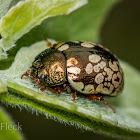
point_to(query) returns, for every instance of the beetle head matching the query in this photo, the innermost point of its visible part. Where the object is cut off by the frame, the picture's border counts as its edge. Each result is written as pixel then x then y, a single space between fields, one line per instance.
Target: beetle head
pixel 38 72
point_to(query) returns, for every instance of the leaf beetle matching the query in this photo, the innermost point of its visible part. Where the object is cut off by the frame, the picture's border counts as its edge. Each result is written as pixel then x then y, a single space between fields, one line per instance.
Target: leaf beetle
pixel 78 66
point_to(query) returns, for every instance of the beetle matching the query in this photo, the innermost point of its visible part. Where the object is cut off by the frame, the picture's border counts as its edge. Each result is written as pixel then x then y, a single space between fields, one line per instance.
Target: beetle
pixel 78 66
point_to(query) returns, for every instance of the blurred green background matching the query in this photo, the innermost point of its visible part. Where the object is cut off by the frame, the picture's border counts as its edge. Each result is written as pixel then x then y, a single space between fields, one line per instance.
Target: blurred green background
pixel 121 34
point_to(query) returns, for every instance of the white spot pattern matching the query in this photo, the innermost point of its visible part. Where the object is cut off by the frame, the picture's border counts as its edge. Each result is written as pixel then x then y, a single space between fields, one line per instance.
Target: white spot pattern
pixel 109 73
pixel 63 47
pixel 96 68
pixel 115 76
pixel 77 85
pixel 94 58
pixel 74 70
pixel 75 41
pixel 87 44
pixel 113 65
pixel 72 61
pixel 101 89
pixel 89 89
pixel 89 68
pixel 99 78
pixel 102 64
pixel 99 66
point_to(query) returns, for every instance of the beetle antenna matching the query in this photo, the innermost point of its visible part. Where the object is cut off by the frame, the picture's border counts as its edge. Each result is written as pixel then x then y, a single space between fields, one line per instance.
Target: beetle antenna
pixel 108 105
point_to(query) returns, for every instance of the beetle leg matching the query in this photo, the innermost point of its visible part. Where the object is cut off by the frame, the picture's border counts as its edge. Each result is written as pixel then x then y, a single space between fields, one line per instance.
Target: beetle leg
pixel 68 88
pixel 43 88
pixel 49 43
pixel 108 105
pixel 71 91
pixel 37 82
pixel 59 89
pixel 99 98
pixel 52 90
pixel 49 88
pixel 27 73
pixel 33 78
pixel 62 87
pixel 74 96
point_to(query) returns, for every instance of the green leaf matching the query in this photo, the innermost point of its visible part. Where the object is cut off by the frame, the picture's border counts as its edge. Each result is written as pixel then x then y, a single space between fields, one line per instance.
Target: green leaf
pixel 83 112
pixel 21 18
pixel 5 5
pixel 3 87
pixel 3 55
pixel 5 133
pixel 83 24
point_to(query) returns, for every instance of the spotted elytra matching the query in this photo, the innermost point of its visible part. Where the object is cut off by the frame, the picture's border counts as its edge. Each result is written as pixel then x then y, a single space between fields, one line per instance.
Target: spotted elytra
pixel 78 66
